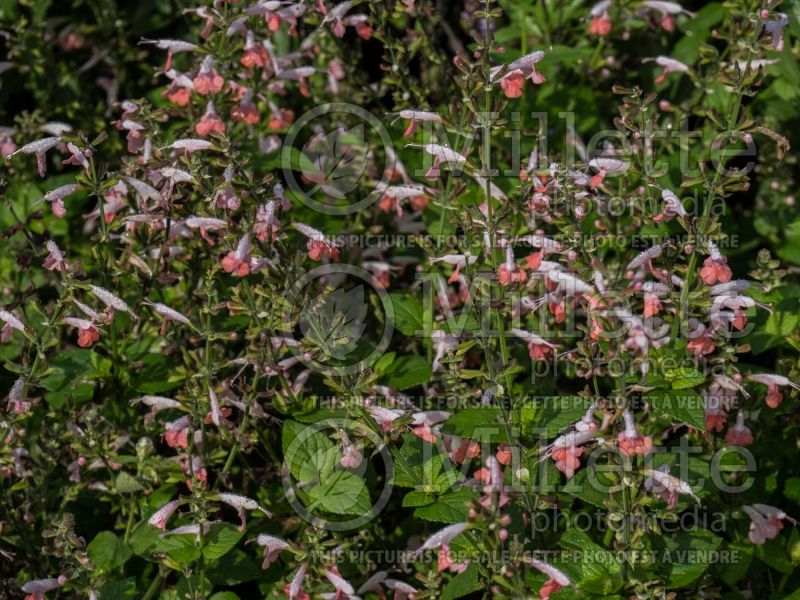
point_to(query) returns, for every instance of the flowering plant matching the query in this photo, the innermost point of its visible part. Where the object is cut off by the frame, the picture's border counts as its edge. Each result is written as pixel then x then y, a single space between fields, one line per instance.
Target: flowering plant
pixel 382 298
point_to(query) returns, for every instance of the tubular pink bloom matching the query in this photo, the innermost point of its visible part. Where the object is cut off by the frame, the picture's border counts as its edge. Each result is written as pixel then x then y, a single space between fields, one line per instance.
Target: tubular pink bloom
pixel 715 267
pixel 351 457
pixel 630 441
pixel 208 81
pixel 255 54
pixel 237 262
pixel 55 260
pixel 702 342
pixel 510 272
pixel 672 207
pixel 343 587
pixel 294 590
pixel 209 123
pixel 161 516
pixel 111 300
pixel 88 333
pixel 246 110
pixel 660 482
pixel 715 413
pixel 17 402
pixel 176 433
pixel 445 561
pixel 566 450
pixel 38 148
pixel 773 382
pixel 739 434
pixel 36 589
pixel 10 323
pixel 415 117
pixel 766 522
pixel 441 155
pixel 273 546
pixel 56 198
pixel 557 579
pixel 600 25
pixel 517 72
pixel 442 537
pixel 319 247
pixel 168 313
pixel 670 66
pixel 172 47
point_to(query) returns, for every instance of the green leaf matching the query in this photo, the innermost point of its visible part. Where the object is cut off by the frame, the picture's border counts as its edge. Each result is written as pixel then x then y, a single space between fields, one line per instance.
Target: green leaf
pixel 414 499
pixel 107 551
pixel 791 489
pixel 119 590
pixel 477 424
pixel 684 378
pixel 463 584
pixel 343 493
pixel 408 371
pixel 220 540
pixel 307 452
pixel 686 556
pixel 407 313
pixel 127 484
pixel 685 406
pixel 449 508
pixel 237 568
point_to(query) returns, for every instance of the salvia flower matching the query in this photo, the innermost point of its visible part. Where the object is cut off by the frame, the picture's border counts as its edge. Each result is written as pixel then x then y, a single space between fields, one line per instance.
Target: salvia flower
pixel 208 81
pixel 162 515
pixel 512 81
pixel 715 267
pixel 88 333
pixel 670 66
pixel 557 579
pixel 672 207
pixel 294 590
pixel 17 401
pixel 739 434
pixel 38 148
pixel 766 522
pixel 55 260
pixel 273 546
pixel 567 449
pixel 601 23
pixel 172 47
pixel 241 504
pixel 773 383
pixel 255 55
pixel 441 155
pixel 210 122
pixel 11 323
pixel 37 588
pixel 630 441
pixel 110 300
pixel 319 247
pixel 415 117
pixel 56 198
pixel 510 272
pixel 169 314
pixel 668 487
pixel 443 536
pixel 237 262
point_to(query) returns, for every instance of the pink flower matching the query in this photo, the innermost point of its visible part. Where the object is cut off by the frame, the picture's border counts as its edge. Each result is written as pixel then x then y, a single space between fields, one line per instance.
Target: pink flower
pixel 207 80
pixel 670 66
pixel 445 561
pixel 273 546
pixel 161 516
pixel 600 25
pixel 766 522
pixel 739 434
pixel 88 333
pixel 556 581
pixel 773 382
pixel 246 111
pixel 510 272
pixel 237 262
pixel 255 54
pixel 660 482
pixel 630 441
pixel 715 267
pixel 209 123
pixel 55 260
pixel 566 450
pixel 517 72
